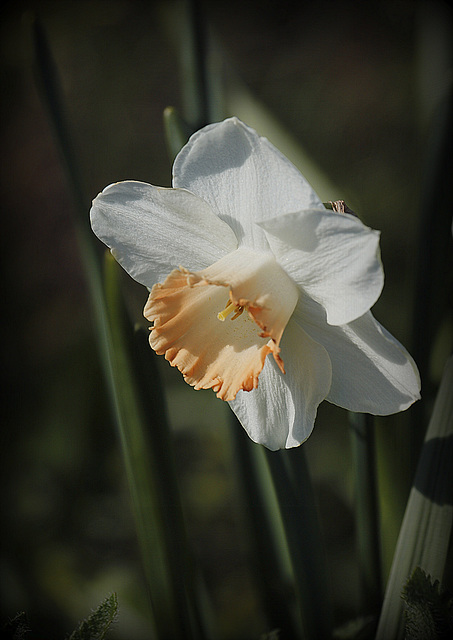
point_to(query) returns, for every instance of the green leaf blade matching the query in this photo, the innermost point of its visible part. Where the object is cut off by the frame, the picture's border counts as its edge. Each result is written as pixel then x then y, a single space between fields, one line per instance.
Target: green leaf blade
pixel 425 533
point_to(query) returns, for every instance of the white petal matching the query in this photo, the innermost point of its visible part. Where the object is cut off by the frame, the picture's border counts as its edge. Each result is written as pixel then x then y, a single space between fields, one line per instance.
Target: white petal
pixel 371 371
pixel 243 177
pixel 281 412
pixel 152 230
pixel 333 257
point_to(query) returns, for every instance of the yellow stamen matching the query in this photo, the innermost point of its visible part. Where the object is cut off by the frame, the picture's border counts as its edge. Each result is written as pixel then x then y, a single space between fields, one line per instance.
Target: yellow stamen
pixel 230 308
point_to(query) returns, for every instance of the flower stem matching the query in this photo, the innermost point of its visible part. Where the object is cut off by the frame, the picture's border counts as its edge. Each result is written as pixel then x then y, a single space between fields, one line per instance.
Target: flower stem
pixel 298 510
pixel 268 548
pixel 367 518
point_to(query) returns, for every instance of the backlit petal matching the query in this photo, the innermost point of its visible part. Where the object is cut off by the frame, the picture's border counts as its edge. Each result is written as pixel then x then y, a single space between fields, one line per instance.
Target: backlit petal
pixel 225 356
pixel 333 257
pixel 243 177
pixel 371 371
pixel 280 413
pixel 152 230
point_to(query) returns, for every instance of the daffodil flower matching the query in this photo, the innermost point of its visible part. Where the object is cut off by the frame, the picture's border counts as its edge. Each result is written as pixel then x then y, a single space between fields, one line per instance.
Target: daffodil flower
pixel 257 291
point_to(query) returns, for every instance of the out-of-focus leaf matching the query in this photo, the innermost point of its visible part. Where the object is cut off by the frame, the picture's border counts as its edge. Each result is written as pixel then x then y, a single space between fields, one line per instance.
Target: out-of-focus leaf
pixel 95 627
pixel 177 131
pixel 194 54
pixel 358 629
pixel 159 533
pixel 425 533
pixel 239 101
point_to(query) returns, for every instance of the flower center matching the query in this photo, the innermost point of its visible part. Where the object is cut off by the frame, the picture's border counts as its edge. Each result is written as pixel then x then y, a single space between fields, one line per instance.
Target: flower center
pixel 185 316
pixel 230 308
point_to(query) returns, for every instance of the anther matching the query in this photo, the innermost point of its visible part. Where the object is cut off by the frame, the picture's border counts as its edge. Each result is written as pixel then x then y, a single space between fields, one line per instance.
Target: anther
pixel 230 308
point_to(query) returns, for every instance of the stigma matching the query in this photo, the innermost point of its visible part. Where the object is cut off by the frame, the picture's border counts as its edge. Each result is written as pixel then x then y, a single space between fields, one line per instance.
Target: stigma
pixel 232 307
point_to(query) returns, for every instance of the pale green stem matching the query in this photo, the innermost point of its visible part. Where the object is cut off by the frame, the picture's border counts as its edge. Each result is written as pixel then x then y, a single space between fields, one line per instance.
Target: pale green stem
pixel 272 577
pixel 367 513
pixel 296 501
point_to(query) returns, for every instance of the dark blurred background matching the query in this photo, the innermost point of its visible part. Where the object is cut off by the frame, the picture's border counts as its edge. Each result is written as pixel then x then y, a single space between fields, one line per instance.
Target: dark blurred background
pixel 352 89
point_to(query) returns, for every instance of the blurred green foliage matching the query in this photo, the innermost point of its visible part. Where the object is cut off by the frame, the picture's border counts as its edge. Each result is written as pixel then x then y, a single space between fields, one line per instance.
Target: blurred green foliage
pixel 357 85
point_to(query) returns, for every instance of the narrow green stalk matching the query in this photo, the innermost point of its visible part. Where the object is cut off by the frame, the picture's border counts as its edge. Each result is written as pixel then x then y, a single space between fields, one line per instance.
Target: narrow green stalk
pixel 367 518
pixel 299 514
pixel 272 577
pixel 177 131
pixel 195 63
